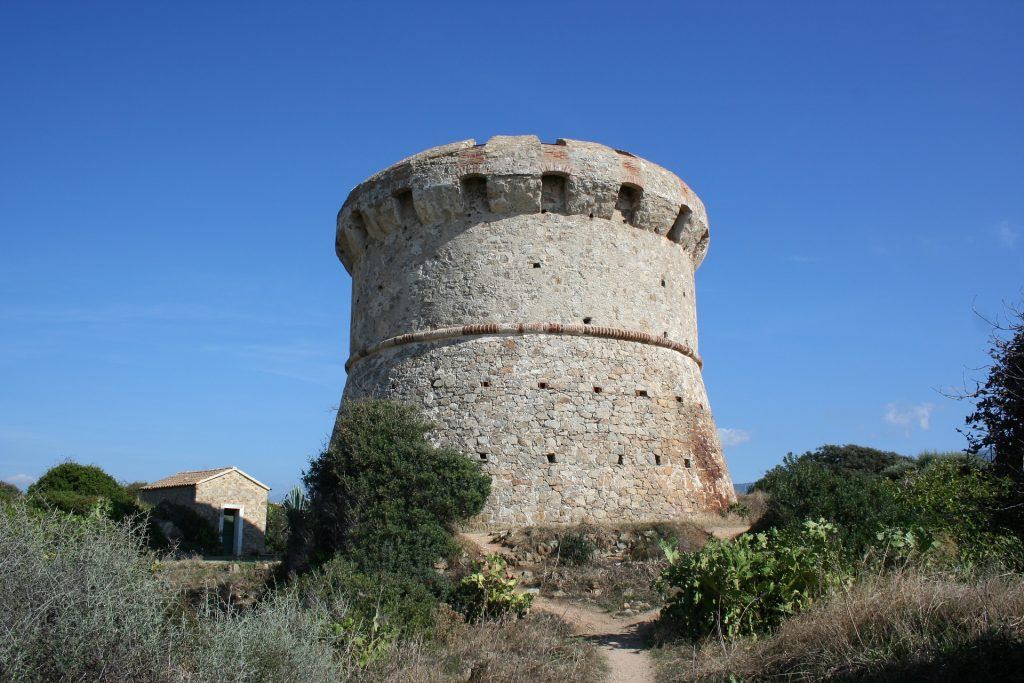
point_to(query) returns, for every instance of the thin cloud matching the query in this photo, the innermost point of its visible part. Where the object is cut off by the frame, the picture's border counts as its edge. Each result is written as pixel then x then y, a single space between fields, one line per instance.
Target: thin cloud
pixel 732 437
pixel 1007 234
pixel 20 480
pixel 907 418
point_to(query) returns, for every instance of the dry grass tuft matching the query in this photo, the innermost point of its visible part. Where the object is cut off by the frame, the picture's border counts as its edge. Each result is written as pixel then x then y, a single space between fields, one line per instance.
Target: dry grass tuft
pixel 901 626
pixel 539 648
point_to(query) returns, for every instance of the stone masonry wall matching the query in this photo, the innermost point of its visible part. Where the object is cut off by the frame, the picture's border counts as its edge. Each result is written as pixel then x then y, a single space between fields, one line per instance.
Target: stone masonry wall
pixel 627 425
pixel 538 302
pixel 233 488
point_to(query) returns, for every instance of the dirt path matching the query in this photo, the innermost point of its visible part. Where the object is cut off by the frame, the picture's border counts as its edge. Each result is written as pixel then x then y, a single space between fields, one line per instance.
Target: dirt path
pixel 622 640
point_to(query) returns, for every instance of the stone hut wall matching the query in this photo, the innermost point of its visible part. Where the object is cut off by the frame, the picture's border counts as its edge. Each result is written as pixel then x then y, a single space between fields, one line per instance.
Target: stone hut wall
pixel 233 488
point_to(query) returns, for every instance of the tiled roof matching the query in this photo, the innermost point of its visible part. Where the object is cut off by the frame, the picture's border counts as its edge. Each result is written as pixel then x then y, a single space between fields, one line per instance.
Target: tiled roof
pixel 194 477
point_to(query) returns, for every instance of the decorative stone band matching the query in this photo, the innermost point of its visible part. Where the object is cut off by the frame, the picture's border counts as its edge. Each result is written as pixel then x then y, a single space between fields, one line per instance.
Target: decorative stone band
pixel 510 329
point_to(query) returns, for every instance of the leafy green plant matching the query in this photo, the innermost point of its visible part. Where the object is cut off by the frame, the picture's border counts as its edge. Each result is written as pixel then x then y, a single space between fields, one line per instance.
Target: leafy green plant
pixel 575 549
pixel 748 585
pixel 385 497
pixel 489 592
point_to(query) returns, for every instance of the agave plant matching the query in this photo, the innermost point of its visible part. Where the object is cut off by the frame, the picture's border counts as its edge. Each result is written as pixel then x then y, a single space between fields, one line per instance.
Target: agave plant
pixel 295 499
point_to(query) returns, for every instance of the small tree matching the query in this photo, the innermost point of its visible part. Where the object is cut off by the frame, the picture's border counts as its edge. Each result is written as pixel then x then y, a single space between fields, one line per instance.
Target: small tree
pixel 996 426
pixel 384 496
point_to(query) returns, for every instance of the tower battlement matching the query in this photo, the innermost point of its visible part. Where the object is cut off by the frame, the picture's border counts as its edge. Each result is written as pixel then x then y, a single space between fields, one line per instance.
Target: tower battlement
pixel 538 302
pixel 520 175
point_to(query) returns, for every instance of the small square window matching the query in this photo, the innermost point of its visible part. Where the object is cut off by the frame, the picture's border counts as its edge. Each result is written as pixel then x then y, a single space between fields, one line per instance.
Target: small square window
pixel 542 385
pixel 536 264
pixel 641 392
pixel 551 458
pixel 586 321
pixel 598 390
pixel 483 457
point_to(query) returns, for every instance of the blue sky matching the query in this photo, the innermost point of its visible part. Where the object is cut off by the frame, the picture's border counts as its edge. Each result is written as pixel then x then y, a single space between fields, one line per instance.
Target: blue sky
pixel 170 175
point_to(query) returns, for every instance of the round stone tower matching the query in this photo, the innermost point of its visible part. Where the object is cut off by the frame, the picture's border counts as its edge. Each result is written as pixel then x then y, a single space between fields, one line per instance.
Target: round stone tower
pixel 537 300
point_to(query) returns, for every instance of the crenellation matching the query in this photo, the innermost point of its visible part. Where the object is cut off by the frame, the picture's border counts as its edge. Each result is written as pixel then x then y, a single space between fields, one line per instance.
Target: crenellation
pixel 513 168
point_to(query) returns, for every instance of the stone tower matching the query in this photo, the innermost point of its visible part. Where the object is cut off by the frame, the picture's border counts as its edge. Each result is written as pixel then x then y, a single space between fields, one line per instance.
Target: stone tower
pixel 537 300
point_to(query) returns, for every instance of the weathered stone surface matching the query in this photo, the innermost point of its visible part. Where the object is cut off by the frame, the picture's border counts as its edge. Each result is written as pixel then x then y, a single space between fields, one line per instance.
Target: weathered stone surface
pixel 538 302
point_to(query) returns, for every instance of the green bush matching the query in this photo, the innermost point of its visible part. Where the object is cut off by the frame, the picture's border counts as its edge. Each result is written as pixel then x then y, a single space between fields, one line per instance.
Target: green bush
pixel 575 549
pixel 386 498
pixel 859 502
pixel 382 603
pixel 489 592
pixel 748 585
pixel 75 488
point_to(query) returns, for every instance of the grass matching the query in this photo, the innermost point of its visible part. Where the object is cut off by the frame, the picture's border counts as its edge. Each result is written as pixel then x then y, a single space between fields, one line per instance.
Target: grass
pixel 908 625
pixel 538 648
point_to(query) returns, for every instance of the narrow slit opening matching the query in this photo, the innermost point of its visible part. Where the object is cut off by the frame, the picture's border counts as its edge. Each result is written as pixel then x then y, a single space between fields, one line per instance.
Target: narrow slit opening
pixel 621 459
pixel 641 392
pixel 686 463
pixel 657 459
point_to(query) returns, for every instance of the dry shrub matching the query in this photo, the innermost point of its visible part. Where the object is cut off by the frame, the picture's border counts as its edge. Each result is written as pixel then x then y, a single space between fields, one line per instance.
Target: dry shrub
pixel 78 600
pixel 901 626
pixel 755 504
pixel 538 649
pixel 609 585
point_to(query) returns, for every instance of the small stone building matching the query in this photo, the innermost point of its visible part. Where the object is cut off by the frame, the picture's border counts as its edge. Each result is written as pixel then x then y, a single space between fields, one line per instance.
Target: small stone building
pixel 233 502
